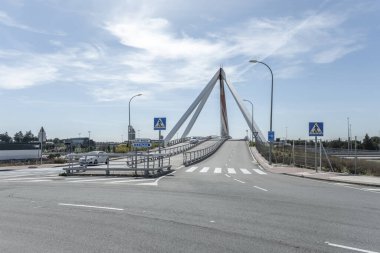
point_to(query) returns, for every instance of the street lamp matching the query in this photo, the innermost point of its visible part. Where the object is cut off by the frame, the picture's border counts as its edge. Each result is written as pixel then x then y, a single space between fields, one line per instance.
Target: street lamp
pixel 129 117
pixel 246 100
pixel 89 136
pixel 271 107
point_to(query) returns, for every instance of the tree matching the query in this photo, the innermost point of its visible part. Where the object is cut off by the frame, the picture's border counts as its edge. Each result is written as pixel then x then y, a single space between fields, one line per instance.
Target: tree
pixel 19 136
pixel 29 137
pixel 368 143
pixel 5 138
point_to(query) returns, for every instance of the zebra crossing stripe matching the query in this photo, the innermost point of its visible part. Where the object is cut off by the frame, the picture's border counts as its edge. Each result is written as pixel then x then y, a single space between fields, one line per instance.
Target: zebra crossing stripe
pixel 231 171
pixel 259 172
pixel 218 170
pixel 245 171
pixel 192 169
pixel 204 170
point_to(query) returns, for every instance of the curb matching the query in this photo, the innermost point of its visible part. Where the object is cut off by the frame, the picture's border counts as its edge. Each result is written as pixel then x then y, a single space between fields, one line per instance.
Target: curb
pixel 331 180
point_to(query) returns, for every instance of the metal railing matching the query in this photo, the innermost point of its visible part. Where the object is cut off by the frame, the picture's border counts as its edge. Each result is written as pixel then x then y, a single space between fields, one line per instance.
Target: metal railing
pixel 180 149
pixel 195 156
pixel 146 163
pixel 177 141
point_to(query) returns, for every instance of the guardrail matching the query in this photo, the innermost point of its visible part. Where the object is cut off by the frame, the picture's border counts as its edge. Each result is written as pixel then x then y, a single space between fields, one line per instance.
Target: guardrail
pixel 192 157
pixel 174 142
pixel 136 162
pixel 180 149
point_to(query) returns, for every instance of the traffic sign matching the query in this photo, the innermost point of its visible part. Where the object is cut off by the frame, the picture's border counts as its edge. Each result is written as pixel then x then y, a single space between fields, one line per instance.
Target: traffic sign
pixel 42 135
pixel 159 123
pixel 141 144
pixel 271 136
pixel 141 140
pixel 315 128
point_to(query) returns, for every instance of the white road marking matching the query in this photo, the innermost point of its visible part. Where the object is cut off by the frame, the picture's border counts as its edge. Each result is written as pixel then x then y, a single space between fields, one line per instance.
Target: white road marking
pixel 180 167
pixel 192 169
pixel 259 172
pixel 218 170
pixel 127 181
pixel 231 171
pixel 204 170
pixel 227 175
pixel 261 167
pixel 212 221
pixel 245 171
pixel 239 181
pixel 368 189
pixel 355 188
pixel 91 180
pixel 87 206
pixel 26 178
pixel 350 248
pixel 260 188
pixel 155 183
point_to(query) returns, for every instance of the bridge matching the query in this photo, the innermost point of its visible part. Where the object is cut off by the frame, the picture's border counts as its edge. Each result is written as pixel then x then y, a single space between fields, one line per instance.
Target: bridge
pixel 225 201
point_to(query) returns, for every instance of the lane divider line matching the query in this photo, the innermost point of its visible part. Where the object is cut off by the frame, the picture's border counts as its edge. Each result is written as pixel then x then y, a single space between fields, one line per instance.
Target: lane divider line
pixel 88 206
pixel 260 188
pixel 350 248
pixel 239 181
pixel 227 175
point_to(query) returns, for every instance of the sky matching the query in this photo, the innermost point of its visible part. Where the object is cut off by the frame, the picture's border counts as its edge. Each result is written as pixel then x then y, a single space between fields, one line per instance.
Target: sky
pixel 72 66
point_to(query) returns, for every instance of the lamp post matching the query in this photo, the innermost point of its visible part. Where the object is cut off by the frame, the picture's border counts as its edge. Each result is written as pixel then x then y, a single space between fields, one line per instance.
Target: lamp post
pixel 89 136
pixel 271 107
pixel 246 100
pixel 129 117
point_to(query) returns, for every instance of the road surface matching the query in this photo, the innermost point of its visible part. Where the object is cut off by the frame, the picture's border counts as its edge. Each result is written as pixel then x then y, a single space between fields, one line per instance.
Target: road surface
pixel 226 203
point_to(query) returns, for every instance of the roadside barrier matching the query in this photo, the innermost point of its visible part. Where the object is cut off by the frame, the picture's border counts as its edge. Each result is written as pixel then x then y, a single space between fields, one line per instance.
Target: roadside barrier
pixel 192 157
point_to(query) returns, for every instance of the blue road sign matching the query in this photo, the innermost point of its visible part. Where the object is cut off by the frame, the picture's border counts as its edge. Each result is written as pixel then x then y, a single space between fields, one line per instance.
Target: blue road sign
pixel 315 128
pixel 159 123
pixel 141 144
pixel 271 136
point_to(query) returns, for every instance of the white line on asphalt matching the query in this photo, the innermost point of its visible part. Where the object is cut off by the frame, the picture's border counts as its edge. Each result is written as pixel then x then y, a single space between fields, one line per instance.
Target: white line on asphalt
pixel 245 171
pixel 231 171
pixel 260 188
pixel 91 180
pixel 87 206
pixel 259 172
pixel 155 183
pixel 261 167
pixel 350 248
pixel 25 178
pixel 204 170
pixel 192 169
pixel 180 167
pixel 239 181
pixel 227 175
pixel 360 189
pixel 218 170
pixel 126 181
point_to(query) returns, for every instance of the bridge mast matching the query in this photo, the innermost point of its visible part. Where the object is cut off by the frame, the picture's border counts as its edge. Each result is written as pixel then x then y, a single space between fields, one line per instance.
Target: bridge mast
pixel 224 131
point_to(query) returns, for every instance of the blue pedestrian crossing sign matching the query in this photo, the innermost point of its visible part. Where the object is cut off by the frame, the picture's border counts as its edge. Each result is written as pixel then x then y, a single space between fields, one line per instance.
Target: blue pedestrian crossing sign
pixel 271 136
pixel 315 128
pixel 159 123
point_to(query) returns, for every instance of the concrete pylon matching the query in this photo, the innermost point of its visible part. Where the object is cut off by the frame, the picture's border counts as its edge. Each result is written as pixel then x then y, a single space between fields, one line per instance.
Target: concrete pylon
pixel 201 100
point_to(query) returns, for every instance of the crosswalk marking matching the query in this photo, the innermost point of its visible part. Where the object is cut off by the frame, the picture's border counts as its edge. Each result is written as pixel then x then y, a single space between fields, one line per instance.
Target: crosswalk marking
pixel 218 170
pixel 259 172
pixel 245 171
pixel 231 171
pixel 192 169
pixel 204 170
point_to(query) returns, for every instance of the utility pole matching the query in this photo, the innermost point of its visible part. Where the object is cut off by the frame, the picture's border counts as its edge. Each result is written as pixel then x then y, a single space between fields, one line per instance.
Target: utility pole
pixel 348 134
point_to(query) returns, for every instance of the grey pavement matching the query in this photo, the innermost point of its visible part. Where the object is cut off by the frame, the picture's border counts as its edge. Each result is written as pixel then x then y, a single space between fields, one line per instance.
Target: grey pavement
pixel 226 203
pixel 312 174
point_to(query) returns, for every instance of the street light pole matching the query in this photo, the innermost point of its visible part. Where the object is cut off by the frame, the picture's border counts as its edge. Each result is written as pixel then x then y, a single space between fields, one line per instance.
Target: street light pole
pixel 246 100
pixel 271 107
pixel 129 117
pixel 89 135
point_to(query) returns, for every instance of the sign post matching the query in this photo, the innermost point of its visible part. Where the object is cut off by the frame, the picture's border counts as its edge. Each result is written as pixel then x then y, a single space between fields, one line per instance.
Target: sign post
pixel 159 124
pixel 316 129
pixel 41 139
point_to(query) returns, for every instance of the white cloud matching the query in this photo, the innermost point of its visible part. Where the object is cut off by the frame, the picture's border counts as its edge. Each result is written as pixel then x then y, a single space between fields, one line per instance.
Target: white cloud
pixel 26 76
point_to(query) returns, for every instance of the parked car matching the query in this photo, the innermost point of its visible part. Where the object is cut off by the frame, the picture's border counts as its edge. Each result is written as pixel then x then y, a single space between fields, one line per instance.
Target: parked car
pixel 94 157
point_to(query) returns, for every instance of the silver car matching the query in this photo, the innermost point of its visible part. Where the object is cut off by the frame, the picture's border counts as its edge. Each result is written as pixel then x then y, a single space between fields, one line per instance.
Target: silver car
pixel 94 157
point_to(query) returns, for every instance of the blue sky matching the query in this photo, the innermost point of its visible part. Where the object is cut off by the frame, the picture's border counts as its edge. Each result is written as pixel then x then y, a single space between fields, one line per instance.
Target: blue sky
pixel 71 66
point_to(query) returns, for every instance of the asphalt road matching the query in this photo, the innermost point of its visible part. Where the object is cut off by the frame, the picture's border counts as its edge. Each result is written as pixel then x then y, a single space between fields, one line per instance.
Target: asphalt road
pixel 223 204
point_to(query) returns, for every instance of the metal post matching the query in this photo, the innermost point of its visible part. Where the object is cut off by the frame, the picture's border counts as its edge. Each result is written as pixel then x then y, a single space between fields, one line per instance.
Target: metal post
pixel 320 154
pixel 315 154
pixel 305 153
pixel 129 118
pixel 294 158
pixel 271 108
pixel 41 152
pixel 356 154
